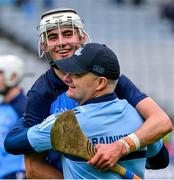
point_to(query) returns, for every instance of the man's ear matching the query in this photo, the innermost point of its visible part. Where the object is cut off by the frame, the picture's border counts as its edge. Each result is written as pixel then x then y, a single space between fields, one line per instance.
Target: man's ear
pixel 102 83
pixel 13 77
pixel 83 38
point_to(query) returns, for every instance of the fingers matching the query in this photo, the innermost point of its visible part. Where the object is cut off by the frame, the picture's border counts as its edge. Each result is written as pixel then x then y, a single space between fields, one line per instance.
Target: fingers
pixel 101 160
pixel 95 158
pixel 93 161
pixel 106 156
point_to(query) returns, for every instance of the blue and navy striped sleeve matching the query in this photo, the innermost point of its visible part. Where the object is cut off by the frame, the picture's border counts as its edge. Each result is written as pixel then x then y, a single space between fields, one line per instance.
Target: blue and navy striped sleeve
pixel 16 142
pixel 159 161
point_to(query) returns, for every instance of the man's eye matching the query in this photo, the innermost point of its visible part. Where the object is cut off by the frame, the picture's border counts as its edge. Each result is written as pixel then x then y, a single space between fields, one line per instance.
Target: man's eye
pixel 80 75
pixel 52 37
pixel 67 34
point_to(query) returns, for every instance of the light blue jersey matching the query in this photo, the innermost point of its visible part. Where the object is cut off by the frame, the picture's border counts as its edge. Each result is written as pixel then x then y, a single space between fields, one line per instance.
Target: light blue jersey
pixel 101 122
pixel 105 122
pixel 8 163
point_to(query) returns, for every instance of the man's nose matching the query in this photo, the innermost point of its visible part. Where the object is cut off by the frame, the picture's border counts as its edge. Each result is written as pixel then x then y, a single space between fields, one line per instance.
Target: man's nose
pixel 61 43
pixel 67 79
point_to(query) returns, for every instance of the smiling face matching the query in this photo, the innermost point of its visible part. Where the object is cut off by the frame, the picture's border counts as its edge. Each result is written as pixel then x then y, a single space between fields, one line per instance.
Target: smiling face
pixel 83 87
pixel 61 32
pixel 61 42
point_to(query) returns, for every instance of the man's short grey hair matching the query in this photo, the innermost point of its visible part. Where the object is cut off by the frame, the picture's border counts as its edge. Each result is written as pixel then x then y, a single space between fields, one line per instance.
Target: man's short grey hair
pixel 112 83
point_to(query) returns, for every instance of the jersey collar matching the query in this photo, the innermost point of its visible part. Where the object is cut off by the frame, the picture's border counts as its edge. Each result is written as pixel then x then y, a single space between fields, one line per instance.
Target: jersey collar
pixel 106 97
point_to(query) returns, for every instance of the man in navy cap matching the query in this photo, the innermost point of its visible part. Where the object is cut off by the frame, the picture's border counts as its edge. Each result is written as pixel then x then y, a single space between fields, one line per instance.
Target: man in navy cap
pixel 101 115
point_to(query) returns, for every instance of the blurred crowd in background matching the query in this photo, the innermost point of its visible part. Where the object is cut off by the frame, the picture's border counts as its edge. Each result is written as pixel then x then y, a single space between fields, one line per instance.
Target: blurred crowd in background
pixel 166 8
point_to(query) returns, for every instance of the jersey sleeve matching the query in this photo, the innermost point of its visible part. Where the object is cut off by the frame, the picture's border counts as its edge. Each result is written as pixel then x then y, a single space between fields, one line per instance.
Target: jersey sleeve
pixel 159 160
pixel 39 135
pixel 154 148
pixel 16 142
pixel 126 89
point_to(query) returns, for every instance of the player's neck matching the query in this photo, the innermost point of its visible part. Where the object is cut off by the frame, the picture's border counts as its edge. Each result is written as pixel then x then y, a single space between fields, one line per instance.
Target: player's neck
pixel 59 73
pixel 12 93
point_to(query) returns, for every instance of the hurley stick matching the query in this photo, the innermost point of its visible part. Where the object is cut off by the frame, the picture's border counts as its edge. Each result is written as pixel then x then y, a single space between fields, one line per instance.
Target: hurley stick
pixel 67 137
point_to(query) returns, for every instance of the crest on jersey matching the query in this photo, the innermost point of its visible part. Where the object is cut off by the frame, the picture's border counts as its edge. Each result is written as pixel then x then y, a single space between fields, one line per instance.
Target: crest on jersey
pixel 78 52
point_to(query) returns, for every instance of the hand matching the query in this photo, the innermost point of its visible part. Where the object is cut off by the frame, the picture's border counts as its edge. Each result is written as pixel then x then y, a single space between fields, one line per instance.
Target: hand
pixel 107 155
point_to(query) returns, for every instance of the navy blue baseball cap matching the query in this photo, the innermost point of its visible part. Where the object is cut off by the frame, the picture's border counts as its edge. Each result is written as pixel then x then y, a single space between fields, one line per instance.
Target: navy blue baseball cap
pixel 93 57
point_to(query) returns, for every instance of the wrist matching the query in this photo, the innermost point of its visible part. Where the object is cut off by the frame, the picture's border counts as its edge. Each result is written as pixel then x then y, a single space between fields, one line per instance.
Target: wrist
pixel 131 143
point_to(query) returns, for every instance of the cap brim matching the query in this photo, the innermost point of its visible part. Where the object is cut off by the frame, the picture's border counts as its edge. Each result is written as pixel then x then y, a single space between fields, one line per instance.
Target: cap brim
pixel 70 65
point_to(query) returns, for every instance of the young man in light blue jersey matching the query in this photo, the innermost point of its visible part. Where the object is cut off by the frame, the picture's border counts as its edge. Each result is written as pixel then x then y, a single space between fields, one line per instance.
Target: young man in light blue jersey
pixel 12 104
pixel 101 115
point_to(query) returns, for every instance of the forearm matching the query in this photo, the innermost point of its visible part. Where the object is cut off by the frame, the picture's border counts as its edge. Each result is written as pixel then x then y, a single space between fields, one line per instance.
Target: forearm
pixel 37 168
pixel 157 123
pixel 23 140
pixel 16 142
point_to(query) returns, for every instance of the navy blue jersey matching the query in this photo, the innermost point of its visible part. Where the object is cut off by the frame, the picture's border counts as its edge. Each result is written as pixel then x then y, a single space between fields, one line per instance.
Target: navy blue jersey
pixel 42 100
pixel 125 89
pixel 41 96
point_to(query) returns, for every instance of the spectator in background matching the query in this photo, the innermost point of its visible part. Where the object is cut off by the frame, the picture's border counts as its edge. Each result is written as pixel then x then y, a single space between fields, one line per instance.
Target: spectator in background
pixel 47 4
pixel 12 104
pixel 28 7
pixel 20 3
pixel 167 11
pixel 134 2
